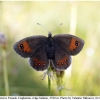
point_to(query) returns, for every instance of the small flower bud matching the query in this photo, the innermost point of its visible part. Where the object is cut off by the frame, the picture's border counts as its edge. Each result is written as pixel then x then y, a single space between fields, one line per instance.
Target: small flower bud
pixel 3 41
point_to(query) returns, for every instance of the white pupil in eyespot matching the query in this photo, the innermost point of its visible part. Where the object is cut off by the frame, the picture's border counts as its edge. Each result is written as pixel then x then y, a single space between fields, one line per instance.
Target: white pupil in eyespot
pixel 21 46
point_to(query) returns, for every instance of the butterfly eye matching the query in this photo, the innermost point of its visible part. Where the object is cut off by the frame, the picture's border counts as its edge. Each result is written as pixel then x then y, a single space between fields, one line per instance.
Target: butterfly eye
pixel 21 46
pixel 76 43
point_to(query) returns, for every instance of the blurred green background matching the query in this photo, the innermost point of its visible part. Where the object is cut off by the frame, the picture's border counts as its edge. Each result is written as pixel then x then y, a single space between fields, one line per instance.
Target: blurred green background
pixel 19 20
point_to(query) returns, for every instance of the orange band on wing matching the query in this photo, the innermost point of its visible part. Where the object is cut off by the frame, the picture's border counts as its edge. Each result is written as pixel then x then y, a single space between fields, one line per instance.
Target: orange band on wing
pixel 73 44
pixel 38 62
pixel 62 61
pixel 24 47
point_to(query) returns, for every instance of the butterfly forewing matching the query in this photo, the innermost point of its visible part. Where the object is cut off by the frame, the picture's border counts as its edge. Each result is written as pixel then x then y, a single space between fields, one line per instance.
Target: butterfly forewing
pixel 62 60
pixel 39 61
pixel 72 44
pixel 26 47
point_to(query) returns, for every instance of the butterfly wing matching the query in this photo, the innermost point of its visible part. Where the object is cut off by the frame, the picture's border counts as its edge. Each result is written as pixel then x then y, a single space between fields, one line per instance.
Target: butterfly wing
pixel 26 47
pixel 62 60
pixel 39 61
pixel 72 44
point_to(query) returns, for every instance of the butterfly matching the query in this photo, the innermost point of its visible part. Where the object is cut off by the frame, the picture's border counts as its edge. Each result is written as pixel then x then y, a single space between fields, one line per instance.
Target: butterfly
pixel 42 50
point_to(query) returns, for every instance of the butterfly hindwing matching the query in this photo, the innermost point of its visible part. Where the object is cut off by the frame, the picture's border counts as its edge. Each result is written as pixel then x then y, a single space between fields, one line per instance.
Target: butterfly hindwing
pixel 26 47
pixel 72 44
pixel 39 61
pixel 62 60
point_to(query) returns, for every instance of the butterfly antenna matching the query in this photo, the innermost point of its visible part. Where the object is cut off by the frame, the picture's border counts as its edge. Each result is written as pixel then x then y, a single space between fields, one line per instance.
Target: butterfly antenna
pixel 46 29
pixel 57 26
pixel 42 26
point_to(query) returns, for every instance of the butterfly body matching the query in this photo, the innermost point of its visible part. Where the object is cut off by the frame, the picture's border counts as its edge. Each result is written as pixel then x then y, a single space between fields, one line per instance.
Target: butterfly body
pixel 50 50
pixel 41 50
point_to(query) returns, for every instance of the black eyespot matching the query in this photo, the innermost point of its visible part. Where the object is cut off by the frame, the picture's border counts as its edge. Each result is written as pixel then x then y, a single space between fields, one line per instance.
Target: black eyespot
pixel 62 63
pixel 43 64
pixel 65 60
pixel 39 64
pixel 76 43
pixel 21 46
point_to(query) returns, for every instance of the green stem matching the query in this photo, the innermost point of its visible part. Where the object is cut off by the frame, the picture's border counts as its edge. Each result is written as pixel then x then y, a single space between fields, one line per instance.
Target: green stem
pixel 59 85
pixel 49 82
pixel 60 92
pixel 5 73
pixel 60 75
pixel 49 86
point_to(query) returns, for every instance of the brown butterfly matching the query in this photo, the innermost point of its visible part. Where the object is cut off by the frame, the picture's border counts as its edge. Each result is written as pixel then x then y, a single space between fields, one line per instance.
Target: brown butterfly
pixel 41 50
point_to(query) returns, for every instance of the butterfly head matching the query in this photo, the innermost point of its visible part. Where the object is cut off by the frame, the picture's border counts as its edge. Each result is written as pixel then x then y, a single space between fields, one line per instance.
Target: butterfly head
pixel 49 35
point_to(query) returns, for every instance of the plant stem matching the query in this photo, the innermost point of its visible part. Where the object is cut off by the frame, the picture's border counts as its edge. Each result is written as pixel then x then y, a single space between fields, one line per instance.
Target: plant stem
pixel 49 86
pixel 60 92
pixel 49 81
pixel 5 73
pixel 59 85
pixel 60 75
